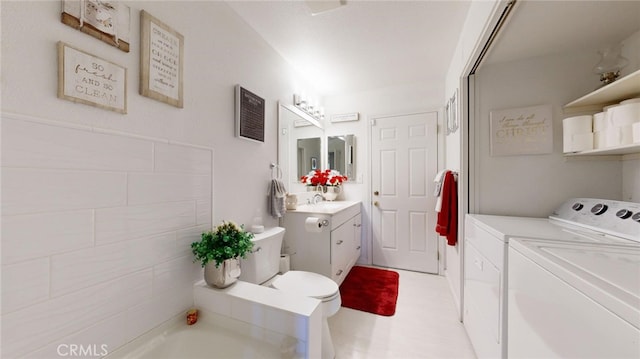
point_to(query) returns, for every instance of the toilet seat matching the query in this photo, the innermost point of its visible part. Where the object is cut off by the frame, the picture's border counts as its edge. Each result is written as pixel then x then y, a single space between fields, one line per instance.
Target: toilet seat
pixel 308 284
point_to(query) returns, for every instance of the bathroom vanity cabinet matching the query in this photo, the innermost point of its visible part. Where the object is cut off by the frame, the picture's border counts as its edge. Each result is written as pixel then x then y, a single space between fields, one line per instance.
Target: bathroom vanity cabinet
pixel 330 249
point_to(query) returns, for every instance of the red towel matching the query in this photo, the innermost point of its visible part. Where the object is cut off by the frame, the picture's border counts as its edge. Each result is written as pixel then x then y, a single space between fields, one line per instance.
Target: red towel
pixel 447 225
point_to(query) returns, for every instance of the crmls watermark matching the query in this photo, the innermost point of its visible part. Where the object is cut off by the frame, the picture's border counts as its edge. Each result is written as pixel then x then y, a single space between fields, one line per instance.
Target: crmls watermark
pixel 81 350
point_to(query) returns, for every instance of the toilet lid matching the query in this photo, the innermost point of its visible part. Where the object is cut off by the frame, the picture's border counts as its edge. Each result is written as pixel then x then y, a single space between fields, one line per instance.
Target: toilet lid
pixel 306 283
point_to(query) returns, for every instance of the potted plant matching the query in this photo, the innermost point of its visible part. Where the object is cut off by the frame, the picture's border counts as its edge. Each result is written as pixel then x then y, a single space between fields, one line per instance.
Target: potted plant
pixel 219 252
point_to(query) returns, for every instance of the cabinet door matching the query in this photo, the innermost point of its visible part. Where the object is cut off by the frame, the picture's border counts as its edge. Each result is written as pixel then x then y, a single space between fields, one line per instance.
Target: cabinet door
pixel 482 303
pixel 357 236
pixel 341 250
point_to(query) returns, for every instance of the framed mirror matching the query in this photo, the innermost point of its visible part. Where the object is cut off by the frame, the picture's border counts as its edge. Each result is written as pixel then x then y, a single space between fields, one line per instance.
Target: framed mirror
pixel 341 154
pixel 300 146
pixel 308 155
pixel 335 153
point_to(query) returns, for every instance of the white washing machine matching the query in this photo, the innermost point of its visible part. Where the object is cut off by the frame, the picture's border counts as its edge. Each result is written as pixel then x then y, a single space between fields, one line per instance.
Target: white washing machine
pixel 487 259
pixel 569 299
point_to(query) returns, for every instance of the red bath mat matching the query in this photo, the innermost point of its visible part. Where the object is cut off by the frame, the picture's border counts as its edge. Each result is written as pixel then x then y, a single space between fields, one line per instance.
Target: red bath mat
pixel 370 290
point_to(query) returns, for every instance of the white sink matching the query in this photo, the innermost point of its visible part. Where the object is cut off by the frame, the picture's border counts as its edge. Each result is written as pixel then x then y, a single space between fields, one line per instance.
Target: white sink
pixel 325 207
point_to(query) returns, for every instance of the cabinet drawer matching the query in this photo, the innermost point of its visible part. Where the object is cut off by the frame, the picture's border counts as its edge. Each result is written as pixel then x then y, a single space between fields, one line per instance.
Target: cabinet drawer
pixel 492 247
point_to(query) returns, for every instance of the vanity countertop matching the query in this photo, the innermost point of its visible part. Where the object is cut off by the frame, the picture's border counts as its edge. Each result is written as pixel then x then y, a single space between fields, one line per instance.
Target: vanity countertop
pixel 325 207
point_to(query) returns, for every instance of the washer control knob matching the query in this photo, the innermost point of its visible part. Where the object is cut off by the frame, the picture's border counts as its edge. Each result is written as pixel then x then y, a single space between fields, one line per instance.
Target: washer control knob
pixel 636 217
pixel 599 209
pixel 577 206
pixel 624 214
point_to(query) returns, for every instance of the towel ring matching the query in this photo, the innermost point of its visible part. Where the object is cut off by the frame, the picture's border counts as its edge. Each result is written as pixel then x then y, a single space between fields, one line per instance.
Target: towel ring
pixel 278 171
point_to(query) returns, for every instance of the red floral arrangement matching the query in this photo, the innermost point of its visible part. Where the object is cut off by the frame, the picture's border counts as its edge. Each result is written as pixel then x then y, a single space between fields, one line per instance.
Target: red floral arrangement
pixel 323 178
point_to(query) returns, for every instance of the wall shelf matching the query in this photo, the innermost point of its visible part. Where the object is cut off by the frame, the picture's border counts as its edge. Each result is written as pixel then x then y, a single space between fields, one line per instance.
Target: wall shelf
pixel 618 150
pixel 619 90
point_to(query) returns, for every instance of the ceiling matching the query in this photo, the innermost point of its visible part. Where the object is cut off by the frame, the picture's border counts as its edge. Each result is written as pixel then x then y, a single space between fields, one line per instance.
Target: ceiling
pixel 362 45
pixel 537 28
pixel 365 45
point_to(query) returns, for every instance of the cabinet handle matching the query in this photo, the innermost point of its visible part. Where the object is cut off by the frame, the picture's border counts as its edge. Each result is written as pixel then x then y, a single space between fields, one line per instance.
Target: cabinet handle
pixel 358 247
pixel 339 272
pixel 339 242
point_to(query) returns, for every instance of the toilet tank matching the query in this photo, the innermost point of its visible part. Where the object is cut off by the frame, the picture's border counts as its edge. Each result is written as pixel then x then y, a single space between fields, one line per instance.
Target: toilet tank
pixel 264 261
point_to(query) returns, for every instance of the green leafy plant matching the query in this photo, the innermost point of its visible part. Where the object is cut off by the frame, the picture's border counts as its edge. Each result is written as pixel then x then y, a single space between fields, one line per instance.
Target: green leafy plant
pixel 226 241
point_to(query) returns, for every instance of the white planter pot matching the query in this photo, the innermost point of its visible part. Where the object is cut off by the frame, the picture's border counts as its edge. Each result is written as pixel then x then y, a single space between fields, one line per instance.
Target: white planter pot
pixel 331 192
pixel 224 275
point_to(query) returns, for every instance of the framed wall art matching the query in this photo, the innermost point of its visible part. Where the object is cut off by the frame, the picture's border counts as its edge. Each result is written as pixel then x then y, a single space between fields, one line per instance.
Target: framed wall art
pixel 446 118
pixel 161 61
pixel 521 131
pixel 249 115
pixel 88 79
pixel 451 116
pixel 109 21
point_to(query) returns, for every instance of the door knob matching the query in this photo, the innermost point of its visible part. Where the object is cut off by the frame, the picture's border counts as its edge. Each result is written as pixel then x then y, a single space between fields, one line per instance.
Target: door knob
pixel 376 203
pixel 376 193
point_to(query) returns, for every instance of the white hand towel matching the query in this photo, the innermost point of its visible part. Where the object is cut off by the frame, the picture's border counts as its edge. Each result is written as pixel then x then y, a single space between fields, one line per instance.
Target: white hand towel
pixel 438 179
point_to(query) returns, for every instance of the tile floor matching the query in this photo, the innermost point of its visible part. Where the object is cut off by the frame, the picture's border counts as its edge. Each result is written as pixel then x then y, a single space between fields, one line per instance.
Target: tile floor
pixel 425 325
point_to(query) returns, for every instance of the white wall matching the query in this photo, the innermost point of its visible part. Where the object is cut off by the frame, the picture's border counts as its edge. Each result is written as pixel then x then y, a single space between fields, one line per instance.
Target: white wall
pixel 387 101
pixel 96 233
pixel 95 230
pixel 480 21
pixel 220 52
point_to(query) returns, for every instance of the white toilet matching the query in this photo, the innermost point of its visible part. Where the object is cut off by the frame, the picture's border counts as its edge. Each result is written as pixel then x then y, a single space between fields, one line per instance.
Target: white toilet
pixel 262 267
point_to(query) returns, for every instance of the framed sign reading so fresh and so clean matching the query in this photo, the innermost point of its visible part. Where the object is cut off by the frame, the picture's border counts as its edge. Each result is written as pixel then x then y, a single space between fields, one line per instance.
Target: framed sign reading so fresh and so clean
pixel 88 79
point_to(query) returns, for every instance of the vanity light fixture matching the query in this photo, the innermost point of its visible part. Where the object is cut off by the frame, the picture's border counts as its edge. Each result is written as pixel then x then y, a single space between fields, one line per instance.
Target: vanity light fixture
pixel 310 109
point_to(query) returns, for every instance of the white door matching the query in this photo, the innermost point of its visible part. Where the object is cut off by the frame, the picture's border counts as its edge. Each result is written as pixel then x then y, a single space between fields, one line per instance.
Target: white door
pixel 404 163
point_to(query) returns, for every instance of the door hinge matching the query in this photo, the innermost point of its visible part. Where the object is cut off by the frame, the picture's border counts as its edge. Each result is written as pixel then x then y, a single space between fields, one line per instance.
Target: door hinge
pixel 373 122
pixel 438 255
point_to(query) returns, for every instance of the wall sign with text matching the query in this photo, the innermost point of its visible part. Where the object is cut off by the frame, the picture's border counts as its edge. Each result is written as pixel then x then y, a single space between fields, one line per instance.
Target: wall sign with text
pixel 249 115
pixel 161 61
pixel 522 131
pixel 87 79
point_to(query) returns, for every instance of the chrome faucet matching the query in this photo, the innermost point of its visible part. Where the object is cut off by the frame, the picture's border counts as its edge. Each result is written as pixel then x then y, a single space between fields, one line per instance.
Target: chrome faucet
pixel 316 198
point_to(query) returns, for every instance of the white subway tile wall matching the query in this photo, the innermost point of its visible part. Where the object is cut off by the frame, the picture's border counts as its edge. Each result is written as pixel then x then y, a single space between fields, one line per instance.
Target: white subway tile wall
pixel 96 234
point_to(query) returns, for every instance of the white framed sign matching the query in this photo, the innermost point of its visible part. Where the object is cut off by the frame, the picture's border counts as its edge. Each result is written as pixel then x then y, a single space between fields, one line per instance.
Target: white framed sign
pixel 161 61
pixel 522 131
pixel 346 117
pixel 88 79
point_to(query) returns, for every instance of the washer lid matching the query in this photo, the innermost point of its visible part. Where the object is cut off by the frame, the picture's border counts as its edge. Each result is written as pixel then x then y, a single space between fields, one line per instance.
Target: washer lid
pixel 306 283
pixel 609 274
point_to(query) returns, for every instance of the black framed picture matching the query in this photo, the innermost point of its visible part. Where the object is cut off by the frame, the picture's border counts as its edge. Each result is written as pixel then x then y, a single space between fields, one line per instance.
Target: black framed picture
pixel 250 111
